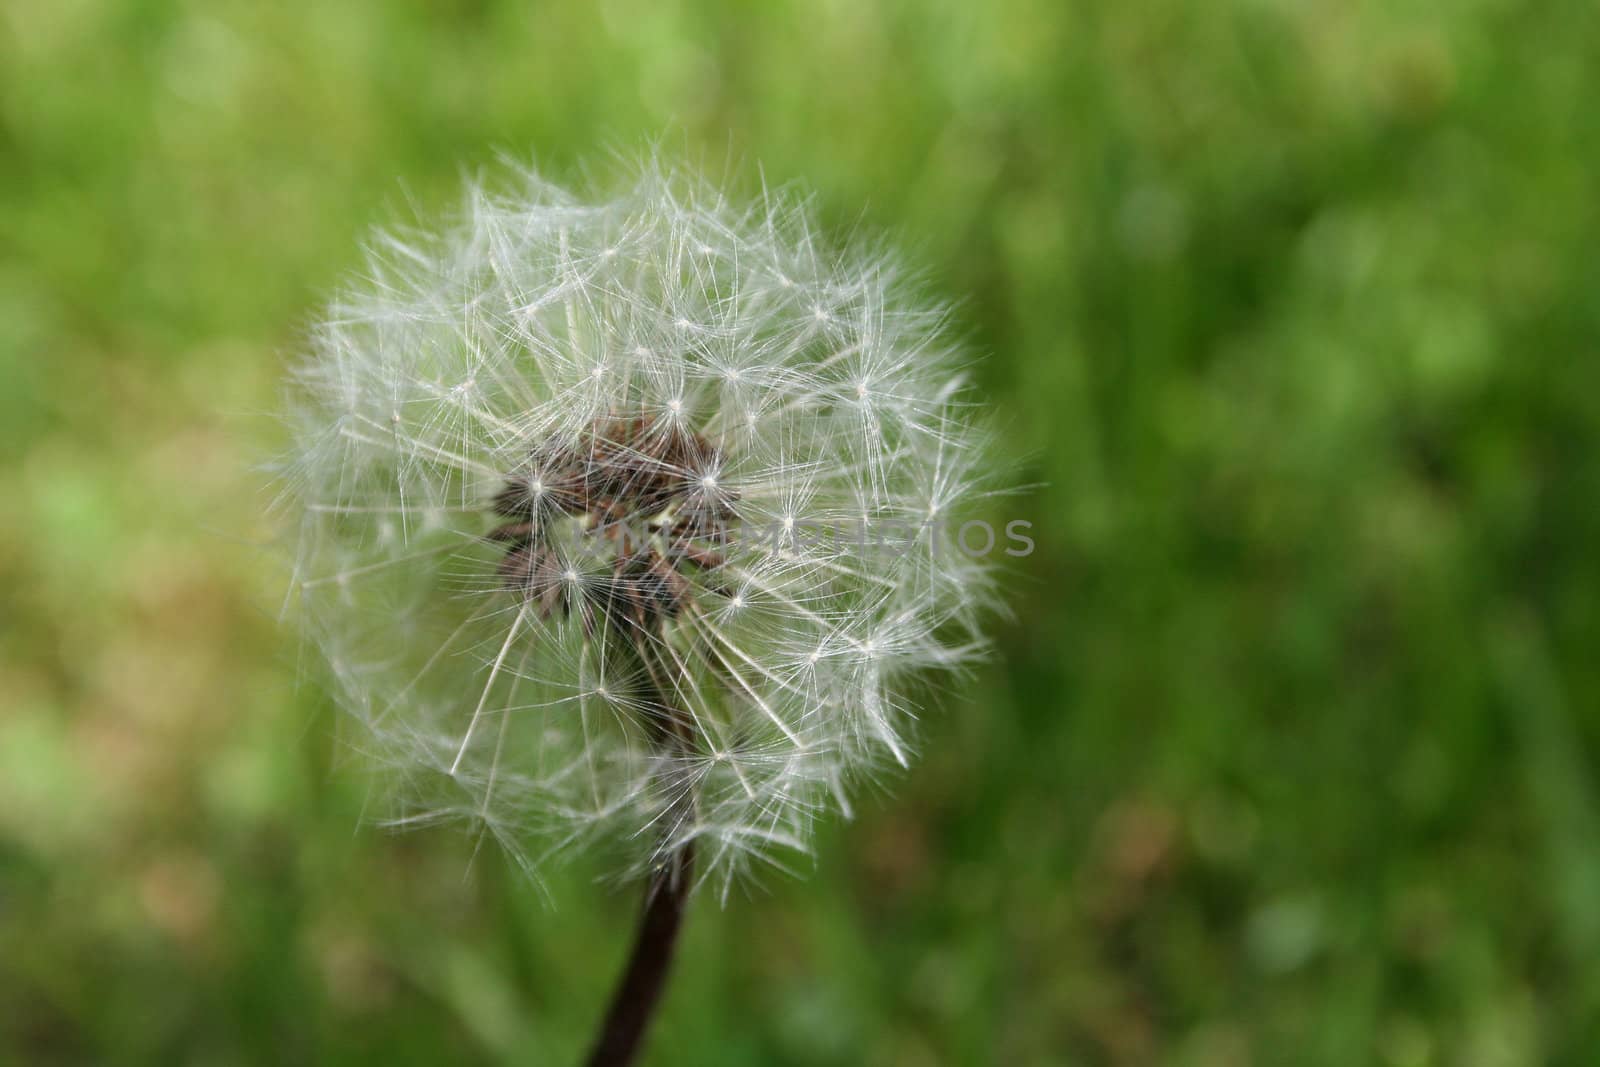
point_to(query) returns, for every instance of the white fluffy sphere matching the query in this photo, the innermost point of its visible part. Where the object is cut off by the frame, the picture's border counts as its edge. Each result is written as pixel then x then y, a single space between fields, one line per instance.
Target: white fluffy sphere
pixel 626 523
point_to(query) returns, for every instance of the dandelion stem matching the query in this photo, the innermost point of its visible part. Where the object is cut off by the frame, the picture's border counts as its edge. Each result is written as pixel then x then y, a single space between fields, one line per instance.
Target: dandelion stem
pixel 639 992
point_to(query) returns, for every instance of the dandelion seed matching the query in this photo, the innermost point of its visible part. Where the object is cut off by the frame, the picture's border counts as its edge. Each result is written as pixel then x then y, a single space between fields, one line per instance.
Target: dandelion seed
pixel 549 592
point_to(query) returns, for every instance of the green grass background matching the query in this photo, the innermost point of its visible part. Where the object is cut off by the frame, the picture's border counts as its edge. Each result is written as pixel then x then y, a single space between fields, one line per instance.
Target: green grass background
pixel 1289 756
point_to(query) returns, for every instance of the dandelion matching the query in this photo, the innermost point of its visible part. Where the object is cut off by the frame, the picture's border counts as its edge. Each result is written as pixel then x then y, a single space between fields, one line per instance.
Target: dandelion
pixel 617 527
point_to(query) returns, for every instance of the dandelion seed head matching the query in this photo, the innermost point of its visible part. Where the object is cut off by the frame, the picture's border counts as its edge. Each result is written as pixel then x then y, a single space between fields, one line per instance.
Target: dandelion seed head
pixel 552 593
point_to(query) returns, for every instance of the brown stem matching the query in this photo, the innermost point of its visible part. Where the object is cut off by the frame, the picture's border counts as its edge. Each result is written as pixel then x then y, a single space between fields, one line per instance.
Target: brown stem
pixel 637 995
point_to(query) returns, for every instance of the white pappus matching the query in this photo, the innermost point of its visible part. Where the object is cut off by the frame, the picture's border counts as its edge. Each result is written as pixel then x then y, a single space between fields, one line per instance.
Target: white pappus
pixel 623 523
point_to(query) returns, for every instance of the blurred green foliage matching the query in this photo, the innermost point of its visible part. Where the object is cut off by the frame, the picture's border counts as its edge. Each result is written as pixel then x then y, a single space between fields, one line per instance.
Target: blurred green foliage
pixel 1289 754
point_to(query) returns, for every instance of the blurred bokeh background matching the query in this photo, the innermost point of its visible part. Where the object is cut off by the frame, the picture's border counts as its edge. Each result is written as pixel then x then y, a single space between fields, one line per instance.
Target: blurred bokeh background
pixel 1289 755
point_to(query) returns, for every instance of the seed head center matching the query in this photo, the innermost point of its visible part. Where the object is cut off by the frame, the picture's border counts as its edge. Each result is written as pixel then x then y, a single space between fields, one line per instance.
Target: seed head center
pixel 632 499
